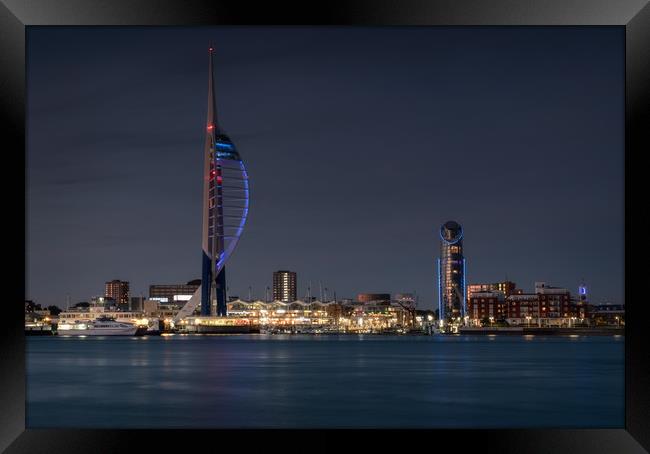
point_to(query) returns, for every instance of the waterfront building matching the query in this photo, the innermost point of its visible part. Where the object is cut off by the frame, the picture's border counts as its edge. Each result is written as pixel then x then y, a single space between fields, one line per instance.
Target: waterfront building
pixel 486 307
pixel 373 297
pixel 555 302
pixel 505 287
pixel 285 286
pixel 174 293
pixel 119 291
pixel 523 308
pixel 376 316
pixel 451 274
pixel 225 209
pixel 607 314
pixel 547 306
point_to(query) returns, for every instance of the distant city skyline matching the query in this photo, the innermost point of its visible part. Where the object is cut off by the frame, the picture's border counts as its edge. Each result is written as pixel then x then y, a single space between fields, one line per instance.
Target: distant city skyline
pixel 360 143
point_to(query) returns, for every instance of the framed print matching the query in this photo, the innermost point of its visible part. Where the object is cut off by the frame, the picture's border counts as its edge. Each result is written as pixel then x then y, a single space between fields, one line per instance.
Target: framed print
pixel 389 221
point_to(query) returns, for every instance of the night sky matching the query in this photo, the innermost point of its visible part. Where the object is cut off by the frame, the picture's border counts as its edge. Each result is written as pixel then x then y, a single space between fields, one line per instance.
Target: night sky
pixel 359 142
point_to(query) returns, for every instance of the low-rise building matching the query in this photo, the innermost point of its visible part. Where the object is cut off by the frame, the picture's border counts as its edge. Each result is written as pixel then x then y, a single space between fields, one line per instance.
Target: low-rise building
pixel 505 287
pixel 607 314
pixel 174 293
pixel 335 315
pixel 486 307
pixel 547 306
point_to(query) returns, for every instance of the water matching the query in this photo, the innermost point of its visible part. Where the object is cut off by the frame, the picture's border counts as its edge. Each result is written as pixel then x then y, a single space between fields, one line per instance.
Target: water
pixel 325 381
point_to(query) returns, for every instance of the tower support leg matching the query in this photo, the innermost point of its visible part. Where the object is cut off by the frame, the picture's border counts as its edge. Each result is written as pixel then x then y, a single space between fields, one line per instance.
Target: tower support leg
pixel 220 286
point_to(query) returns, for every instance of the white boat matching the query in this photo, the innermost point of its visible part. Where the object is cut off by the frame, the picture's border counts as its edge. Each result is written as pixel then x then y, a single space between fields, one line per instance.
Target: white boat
pixel 102 326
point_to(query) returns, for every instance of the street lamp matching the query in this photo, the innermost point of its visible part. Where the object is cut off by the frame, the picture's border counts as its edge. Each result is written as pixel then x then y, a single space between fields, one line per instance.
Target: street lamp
pixel 491 320
pixel 528 320
pixel 617 321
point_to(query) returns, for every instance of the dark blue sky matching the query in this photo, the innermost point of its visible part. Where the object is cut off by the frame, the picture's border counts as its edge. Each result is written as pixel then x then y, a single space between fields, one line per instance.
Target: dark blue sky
pixel 359 143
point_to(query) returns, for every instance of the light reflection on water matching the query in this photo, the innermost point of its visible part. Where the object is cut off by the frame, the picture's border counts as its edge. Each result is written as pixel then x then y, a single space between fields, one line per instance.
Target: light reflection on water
pixel 325 381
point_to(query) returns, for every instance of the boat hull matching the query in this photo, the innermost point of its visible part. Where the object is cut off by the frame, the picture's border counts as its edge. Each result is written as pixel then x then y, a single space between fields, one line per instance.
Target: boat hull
pixel 131 331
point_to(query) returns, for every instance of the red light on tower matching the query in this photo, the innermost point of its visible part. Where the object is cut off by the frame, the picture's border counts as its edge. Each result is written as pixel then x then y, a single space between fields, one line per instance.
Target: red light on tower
pixel 210 49
pixel 210 127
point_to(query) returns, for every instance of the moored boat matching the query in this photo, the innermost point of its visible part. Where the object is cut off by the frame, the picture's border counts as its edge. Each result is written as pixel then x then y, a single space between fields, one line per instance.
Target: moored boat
pixel 39 329
pixel 101 326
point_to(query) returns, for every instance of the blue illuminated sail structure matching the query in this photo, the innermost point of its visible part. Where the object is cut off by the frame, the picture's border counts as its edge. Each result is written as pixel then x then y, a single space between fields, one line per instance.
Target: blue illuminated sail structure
pixel 225 209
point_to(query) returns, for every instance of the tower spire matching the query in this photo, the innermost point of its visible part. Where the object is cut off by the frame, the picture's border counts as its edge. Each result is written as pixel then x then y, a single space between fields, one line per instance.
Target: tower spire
pixel 213 124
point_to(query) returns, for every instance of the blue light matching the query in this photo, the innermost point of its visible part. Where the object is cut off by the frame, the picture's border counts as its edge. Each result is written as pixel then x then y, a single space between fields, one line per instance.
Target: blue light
pixel 464 291
pixel 460 237
pixel 440 315
pixel 583 290
pixel 224 145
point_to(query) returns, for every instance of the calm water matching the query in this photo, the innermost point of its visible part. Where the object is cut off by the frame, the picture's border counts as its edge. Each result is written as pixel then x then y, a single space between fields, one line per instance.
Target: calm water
pixel 325 381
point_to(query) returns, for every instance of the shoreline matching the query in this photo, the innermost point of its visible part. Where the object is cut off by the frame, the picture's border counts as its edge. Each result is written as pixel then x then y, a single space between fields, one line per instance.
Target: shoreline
pixel 527 331
pixel 533 331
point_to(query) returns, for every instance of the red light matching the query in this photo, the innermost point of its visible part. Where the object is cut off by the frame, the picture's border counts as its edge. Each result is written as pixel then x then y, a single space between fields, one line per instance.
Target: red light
pixel 210 49
pixel 210 127
pixel 219 179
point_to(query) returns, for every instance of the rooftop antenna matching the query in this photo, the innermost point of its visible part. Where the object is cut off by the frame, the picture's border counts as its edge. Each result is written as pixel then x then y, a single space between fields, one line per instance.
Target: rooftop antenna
pixel 267 293
pixel 320 290
pixel 325 295
pixel 250 290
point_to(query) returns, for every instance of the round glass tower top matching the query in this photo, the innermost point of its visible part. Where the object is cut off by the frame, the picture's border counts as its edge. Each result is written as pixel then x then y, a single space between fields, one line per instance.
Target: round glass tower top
pixel 451 232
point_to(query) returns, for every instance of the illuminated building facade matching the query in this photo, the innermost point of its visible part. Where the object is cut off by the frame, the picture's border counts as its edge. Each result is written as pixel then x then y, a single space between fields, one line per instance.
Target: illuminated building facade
pixel 505 287
pixel 173 293
pixel 451 273
pixel 582 303
pixel 225 209
pixel 547 306
pixel 334 316
pixel 285 286
pixel 117 290
pixel 607 314
pixel 486 305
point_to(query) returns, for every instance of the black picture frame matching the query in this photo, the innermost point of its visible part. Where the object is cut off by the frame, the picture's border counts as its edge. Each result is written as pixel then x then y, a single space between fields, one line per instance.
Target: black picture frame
pixel 16 15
